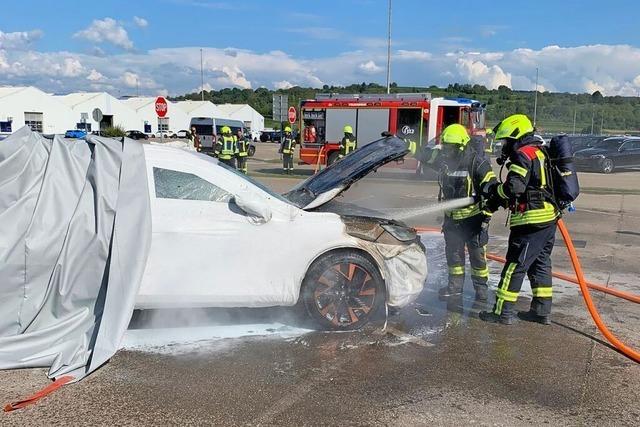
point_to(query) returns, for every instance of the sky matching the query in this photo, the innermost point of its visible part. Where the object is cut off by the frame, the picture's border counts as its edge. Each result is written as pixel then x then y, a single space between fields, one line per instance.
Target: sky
pixel 153 47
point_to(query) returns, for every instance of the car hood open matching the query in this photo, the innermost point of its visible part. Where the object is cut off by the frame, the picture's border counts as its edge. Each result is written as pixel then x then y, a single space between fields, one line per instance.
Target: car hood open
pixel 330 182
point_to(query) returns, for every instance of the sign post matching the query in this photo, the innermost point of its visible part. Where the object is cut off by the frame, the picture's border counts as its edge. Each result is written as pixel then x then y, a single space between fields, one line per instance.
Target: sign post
pixel 280 106
pixel 161 111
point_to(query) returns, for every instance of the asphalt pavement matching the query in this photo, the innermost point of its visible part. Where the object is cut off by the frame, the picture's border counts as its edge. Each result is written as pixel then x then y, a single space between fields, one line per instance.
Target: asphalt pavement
pixel 434 363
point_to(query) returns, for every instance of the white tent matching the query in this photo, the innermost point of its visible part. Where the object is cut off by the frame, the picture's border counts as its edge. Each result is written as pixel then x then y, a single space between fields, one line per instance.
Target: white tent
pixel 175 120
pixel 20 106
pixel 245 113
pixel 201 109
pixel 114 111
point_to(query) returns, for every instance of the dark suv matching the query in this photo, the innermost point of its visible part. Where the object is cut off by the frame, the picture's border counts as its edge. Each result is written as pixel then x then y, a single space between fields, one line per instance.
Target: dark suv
pixel 136 134
pixel 610 154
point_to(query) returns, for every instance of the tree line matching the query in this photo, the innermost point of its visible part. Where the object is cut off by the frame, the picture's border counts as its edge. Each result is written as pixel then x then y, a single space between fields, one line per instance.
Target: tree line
pixel 556 112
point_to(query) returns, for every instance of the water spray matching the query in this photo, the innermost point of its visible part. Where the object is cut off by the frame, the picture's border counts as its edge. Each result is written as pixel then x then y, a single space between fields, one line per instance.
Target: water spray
pixel 427 210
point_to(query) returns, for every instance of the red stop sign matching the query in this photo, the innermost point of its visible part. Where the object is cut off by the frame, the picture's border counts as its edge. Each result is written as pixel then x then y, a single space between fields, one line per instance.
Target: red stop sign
pixel 161 106
pixel 292 115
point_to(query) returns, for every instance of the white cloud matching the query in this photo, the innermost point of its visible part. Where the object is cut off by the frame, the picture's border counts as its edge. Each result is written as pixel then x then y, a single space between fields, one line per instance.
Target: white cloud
pixel 370 67
pixel 19 40
pixel 613 69
pixel 412 55
pixel 478 72
pixel 95 76
pixel 283 84
pixel 106 30
pixel 140 22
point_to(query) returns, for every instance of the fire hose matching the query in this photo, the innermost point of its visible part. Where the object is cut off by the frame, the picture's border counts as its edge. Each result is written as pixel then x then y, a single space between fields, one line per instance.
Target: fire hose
pixel 584 288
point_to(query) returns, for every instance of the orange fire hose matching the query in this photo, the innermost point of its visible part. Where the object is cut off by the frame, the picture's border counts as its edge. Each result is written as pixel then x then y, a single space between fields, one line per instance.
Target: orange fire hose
pixel 319 159
pixel 584 288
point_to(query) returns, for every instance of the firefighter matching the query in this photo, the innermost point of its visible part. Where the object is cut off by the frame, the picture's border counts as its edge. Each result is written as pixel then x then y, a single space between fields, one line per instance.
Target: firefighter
pixel 526 191
pixel 288 147
pixel 226 148
pixel 463 173
pixel 243 151
pixel 194 139
pixel 348 144
pixel 488 148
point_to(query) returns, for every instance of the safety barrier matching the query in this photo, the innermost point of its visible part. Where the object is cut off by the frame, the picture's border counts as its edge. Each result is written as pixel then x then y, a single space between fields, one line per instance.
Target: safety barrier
pixel 584 288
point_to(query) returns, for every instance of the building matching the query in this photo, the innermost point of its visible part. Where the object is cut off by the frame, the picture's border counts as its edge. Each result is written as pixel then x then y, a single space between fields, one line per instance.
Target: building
pixel 145 108
pixel 20 106
pixel 245 113
pixel 114 112
pixel 201 109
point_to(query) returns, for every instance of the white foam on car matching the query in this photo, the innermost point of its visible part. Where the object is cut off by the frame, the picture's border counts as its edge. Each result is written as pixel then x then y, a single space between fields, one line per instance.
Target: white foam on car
pixel 206 338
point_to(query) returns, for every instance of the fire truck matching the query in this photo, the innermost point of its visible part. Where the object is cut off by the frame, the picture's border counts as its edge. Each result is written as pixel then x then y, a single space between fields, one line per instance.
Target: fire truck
pixel 414 116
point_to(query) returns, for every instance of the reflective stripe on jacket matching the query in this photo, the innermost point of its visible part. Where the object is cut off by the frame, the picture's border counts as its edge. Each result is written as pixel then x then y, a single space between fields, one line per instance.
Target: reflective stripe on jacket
pixel 288 145
pixel 527 188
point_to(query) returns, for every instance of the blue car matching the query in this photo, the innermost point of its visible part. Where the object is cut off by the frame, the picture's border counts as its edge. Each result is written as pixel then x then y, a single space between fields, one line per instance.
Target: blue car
pixel 75 133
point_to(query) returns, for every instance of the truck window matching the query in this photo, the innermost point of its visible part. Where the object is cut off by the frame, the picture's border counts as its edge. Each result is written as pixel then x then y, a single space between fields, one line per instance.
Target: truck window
pixel 408 125
pixel 314 130
pixel 170 184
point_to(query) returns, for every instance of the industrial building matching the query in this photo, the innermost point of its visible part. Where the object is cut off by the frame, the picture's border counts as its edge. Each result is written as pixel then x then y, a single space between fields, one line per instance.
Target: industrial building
pixel 114 112
pixel 245 113
pixel 47 113
pixel 20 106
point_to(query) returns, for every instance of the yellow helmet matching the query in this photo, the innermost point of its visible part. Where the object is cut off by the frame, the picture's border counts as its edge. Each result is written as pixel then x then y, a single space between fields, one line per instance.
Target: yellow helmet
pixel 348 129
pixel 515 126
pixel 287 129
pixel 455 134
pixel 225 130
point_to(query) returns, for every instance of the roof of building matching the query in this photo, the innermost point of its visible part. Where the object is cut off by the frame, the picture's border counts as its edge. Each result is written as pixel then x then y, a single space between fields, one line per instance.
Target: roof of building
pixel 189 106
pixel 139 102
pixel 10 90
pixel 77 98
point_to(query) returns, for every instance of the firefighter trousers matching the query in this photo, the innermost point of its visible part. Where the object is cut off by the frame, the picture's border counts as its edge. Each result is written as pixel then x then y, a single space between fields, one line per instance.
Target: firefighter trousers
pixel 229 162
pixel 471 234
pixel 242 164
pixel 529 254
pixel 287 162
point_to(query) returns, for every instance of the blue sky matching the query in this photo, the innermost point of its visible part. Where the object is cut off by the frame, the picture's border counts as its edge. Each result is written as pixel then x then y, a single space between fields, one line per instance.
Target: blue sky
pixel 334 42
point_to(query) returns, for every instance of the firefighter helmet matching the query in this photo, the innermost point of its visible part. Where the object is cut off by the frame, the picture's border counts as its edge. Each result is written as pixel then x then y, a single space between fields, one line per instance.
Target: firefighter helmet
pixel 225 130
pixel 287 129
pixel 515 127
pixel 455 134
pixel 348 129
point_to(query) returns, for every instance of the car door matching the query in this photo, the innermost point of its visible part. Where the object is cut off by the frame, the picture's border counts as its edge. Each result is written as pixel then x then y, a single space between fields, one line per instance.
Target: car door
pixel 205 251
pixel 630 153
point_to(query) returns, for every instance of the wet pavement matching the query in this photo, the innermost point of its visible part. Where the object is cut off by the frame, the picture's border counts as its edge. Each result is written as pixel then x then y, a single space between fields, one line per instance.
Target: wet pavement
pixel 434 363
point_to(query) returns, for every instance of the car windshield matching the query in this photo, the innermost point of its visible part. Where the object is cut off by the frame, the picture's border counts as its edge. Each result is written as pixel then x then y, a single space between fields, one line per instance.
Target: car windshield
pixel 611 143
pixel 256 183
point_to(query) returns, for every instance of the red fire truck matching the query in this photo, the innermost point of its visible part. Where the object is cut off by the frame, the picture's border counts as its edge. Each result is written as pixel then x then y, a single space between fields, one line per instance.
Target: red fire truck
pixel 415 116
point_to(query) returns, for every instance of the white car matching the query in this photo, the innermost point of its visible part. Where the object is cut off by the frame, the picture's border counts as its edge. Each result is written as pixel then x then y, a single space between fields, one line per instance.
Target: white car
pixel 220 239
pixel 183 134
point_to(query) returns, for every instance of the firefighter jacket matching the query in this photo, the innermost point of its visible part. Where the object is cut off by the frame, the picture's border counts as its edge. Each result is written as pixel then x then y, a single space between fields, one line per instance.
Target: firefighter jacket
pixel 526 188
pixel 226 147
pixel 288 145
pixel 468 176
pixel 243 147
pixel 348 144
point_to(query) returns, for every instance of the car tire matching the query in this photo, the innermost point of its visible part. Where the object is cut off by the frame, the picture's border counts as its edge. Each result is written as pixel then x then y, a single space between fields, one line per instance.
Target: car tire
pixel 607 166
pixel 333 157
pixel 251 151
pixel 343 290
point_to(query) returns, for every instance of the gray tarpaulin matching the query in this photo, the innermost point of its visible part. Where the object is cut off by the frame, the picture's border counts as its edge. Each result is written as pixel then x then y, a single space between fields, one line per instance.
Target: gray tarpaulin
pixel 75 231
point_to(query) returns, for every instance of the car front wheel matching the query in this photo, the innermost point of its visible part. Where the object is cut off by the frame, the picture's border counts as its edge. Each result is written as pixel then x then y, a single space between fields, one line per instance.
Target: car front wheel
pixel 607 166
pixel 343 291
pixel 252 150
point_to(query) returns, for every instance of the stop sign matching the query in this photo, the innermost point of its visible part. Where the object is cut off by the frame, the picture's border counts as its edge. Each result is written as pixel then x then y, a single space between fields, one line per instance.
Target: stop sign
pixel 161 106
pixel 292 115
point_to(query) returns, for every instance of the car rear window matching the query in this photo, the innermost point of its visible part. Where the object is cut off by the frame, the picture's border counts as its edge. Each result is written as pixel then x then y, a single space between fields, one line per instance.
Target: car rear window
pixel 171 184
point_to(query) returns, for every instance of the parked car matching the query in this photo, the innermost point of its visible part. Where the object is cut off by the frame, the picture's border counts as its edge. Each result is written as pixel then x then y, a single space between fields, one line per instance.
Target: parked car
pixel 136 134
pixel 270 136
pixel 75 133
pixel 183 134
pixel 610 154
pixel 343 269
pixel 582 142
pixel 166 134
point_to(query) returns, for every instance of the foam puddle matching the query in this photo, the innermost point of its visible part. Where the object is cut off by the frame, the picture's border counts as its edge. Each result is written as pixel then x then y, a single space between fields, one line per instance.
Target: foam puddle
pixel 189 339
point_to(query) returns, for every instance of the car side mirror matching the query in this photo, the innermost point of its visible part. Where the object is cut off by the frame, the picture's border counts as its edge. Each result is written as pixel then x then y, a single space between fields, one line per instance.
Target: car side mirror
pixel 254 206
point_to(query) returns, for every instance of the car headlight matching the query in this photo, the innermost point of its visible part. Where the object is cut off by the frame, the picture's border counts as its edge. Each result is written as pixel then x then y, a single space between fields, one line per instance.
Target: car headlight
pixel 400 232
pixel 597 156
